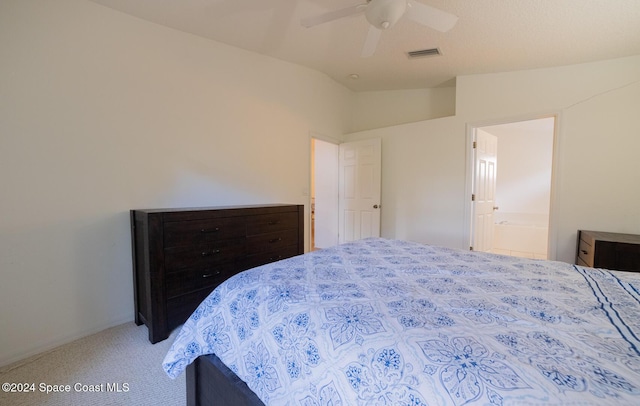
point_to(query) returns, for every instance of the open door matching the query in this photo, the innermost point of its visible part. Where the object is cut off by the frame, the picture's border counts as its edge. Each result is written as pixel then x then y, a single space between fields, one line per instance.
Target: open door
pixel 359 190
pixel 324 194
pixel 484 189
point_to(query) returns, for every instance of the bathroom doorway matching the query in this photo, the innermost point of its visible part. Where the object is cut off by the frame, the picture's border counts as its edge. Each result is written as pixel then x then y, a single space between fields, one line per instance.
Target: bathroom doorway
pixel 521 205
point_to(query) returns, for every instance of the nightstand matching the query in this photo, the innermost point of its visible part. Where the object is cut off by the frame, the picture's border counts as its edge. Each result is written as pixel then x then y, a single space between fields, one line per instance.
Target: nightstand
pixel 598 249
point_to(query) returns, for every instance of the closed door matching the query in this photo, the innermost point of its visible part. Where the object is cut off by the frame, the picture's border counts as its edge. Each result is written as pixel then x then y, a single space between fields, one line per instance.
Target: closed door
pixel 484 194
pixel 359 194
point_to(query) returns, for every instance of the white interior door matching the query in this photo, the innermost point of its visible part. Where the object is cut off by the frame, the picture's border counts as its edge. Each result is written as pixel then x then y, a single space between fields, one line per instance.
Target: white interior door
pixel 325 183
pixel 484 186
pixel 359 194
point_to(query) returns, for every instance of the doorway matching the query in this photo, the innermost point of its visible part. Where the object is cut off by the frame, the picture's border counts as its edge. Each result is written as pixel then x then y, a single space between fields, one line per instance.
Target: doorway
pixel 345 191
pixel 520 220
pixel 324 194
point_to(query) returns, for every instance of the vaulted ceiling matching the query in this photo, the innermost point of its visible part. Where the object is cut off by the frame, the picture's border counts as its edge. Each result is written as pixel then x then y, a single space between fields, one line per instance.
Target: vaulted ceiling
pixel 489 36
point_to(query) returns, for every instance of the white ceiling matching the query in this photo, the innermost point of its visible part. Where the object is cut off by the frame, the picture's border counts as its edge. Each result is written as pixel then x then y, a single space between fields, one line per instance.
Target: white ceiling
pixel 490 36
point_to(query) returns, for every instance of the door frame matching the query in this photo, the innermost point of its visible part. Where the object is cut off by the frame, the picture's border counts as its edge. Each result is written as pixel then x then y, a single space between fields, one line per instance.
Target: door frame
pixel 331 140
pixel 555 177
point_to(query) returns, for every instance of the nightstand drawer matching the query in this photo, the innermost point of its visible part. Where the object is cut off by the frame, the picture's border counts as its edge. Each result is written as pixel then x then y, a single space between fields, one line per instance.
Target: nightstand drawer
pixel 586 252
pixel 581 262
pixel 200 231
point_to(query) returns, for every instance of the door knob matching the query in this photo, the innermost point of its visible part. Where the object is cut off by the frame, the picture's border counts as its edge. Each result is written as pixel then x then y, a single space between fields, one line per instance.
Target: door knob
pixel 375 206
pixel 495 207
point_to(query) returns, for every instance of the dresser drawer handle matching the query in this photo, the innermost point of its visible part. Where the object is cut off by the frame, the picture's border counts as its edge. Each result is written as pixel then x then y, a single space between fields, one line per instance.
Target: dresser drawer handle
pixel 279 257
pixel 212 230
pixel 209 275
pixel 209 253
pixel 585 252
pixel 274 222
pixel 275 240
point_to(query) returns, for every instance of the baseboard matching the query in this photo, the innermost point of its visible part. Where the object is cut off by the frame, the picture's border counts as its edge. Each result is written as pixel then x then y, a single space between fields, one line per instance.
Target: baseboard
pixel 7 364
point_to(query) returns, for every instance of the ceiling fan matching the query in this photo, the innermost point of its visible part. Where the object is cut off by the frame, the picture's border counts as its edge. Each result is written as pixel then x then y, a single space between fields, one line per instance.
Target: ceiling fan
pixel 383 14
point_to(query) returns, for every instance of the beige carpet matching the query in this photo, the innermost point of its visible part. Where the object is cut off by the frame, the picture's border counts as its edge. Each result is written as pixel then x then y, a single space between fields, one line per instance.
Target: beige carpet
pixel 120 363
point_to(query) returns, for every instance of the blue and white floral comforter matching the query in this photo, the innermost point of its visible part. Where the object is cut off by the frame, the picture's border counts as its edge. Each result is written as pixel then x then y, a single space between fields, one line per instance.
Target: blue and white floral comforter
pixel 386 322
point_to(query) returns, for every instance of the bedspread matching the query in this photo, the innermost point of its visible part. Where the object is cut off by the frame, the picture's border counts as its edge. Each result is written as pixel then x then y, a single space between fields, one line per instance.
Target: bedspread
pixel 389 322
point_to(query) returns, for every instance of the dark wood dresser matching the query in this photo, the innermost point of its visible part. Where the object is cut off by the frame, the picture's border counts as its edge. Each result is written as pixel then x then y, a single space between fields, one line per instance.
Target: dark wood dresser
pixel 598 249
pixel 181 255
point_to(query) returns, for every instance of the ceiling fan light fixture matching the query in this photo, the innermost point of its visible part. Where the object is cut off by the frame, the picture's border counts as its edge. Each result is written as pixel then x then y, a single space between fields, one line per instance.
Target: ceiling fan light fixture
pixel 383 14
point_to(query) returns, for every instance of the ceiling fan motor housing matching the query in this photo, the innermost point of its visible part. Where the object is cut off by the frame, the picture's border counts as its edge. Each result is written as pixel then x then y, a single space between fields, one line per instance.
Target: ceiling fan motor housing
pixel 383 14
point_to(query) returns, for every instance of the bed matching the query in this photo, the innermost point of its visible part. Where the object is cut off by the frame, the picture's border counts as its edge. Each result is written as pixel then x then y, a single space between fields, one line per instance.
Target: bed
pixel 389 322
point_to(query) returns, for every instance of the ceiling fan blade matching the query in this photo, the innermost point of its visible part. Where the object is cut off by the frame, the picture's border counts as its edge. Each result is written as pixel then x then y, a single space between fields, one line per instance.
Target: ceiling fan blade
pixel 431 17
pixel 333 15
pixel 371 42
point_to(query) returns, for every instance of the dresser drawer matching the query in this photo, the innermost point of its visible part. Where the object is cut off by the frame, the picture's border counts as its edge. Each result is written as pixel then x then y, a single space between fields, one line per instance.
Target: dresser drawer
pixel 192 279
pixel 272 242
pixel 180 308
pixel 203 255
pixel 267 257
pixel 181 233
pixel 268 223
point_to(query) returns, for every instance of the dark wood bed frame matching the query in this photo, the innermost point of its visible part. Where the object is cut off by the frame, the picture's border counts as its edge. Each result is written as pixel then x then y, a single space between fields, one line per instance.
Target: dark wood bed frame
pixel 210 382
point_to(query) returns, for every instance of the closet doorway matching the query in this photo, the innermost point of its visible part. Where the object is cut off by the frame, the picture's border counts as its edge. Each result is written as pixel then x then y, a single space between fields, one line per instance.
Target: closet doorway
pixel 345 191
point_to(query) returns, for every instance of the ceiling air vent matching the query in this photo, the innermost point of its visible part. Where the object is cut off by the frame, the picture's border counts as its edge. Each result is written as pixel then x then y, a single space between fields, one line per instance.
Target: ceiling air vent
pixel 424 52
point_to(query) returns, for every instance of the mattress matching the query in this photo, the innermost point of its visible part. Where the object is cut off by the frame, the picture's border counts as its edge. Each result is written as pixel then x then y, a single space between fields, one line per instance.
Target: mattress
pixel 390 322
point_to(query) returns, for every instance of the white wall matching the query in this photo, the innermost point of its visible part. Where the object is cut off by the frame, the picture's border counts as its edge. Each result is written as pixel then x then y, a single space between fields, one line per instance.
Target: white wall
pixel 600 181
pixel 101 113
pixel 424 165
pixel 389 108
